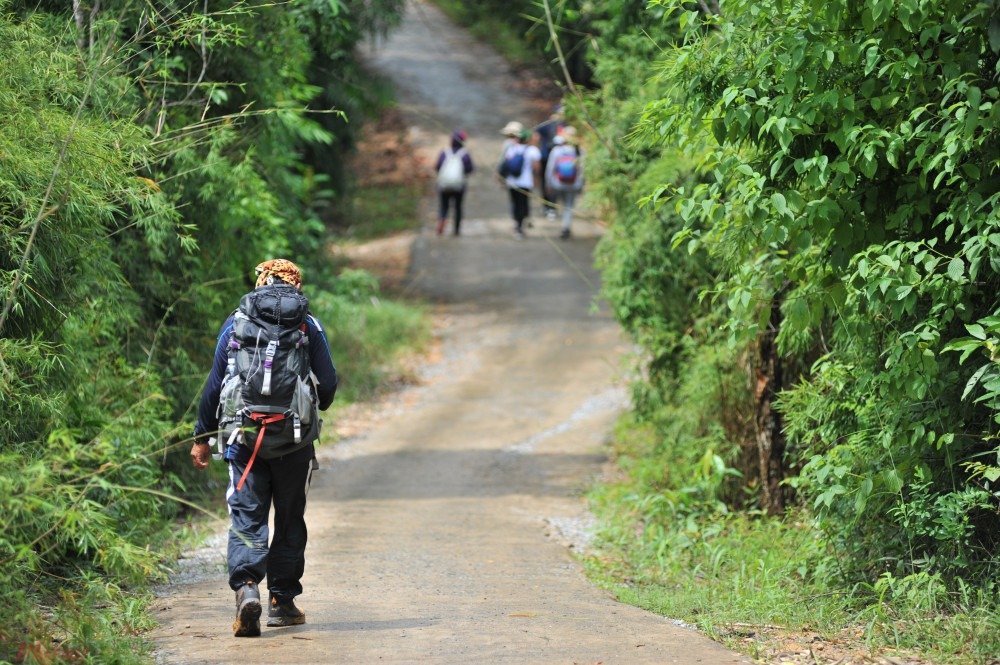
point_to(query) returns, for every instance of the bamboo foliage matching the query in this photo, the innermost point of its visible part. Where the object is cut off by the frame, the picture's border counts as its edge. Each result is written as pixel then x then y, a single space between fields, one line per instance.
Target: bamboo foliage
pixel 150 155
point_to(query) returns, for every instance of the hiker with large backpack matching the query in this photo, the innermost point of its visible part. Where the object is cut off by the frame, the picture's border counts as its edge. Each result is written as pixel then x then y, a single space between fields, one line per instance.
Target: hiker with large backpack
pixel 271 376
pixel 453 168
pixel 519 164
pixel 564 175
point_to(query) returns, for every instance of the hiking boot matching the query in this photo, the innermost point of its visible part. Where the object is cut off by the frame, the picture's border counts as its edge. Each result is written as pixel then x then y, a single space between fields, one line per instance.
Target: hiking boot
pixel 284 613
pixel 248 609
pixel 564 234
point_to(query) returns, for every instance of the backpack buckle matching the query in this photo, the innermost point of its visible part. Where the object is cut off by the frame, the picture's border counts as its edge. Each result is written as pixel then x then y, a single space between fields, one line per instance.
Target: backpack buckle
pixel 272 349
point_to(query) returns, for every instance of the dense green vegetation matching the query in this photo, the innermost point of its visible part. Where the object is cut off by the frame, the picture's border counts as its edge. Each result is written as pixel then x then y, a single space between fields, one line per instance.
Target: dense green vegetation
pixel 150 155
pixel 805 245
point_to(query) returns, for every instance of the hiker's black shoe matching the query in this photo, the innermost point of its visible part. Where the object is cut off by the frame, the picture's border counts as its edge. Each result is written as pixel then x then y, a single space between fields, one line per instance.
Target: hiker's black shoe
pixel 284 613
pixel 248 609
pixel 565 234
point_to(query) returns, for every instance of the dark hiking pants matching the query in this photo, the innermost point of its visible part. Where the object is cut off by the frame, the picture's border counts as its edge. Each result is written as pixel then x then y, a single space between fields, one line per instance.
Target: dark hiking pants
pixel 445 199
pixel 283 481
pixel 548 196
pixel 519 209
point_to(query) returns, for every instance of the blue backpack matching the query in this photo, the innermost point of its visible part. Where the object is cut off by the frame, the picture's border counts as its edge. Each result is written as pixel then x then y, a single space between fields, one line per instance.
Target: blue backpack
pixel 512 164
pixel 566 169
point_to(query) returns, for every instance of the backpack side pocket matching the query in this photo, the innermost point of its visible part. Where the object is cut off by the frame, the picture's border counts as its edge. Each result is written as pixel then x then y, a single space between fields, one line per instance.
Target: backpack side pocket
pixel 303 402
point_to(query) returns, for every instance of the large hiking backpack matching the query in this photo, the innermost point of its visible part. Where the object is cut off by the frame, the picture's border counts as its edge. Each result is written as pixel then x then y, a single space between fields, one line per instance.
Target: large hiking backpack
pixel 513 162
pixel 267 391
pixel 451 175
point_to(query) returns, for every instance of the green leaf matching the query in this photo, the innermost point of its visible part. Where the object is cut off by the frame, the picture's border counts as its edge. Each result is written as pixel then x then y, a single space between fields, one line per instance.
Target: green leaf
pixel 861 500
pixel 890 478
pixel 994 33
pixel 976 330
pixel 719 130
pixel 956 269
pixel 867 21
pixel 973 380
pixel 967 345
pixel 779 203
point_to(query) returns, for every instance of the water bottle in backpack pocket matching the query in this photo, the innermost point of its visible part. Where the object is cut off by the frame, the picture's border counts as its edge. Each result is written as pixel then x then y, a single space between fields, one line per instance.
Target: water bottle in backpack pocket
pixel 304 402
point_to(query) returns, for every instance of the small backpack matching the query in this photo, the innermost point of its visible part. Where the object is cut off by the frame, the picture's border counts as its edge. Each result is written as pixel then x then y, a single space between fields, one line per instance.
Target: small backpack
pixel 567 169
pixel 269 389
pixel 513 162
pixel 451 175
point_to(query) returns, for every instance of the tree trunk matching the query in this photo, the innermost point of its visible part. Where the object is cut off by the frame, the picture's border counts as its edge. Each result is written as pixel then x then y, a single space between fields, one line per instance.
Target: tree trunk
pixel 770 434
pixel 81 25
pixel 90 26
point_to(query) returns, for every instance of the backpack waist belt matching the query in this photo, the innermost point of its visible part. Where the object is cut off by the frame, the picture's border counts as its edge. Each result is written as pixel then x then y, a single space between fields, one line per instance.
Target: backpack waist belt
pixel 262 420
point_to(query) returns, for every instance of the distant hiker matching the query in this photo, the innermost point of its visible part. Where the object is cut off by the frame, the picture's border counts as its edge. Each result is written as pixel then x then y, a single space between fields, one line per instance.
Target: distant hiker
pixel 519 164
pixel 547 132
pixel 564 175
pixel 510 132
pixel 272 374
pixel 453 168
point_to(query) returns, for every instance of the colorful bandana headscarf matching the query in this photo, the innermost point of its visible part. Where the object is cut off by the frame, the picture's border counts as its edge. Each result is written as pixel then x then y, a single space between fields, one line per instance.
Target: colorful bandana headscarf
pixel 283 269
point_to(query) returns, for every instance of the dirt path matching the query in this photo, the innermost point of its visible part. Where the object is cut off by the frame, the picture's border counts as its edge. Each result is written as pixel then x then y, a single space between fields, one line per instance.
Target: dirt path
pixel 440 535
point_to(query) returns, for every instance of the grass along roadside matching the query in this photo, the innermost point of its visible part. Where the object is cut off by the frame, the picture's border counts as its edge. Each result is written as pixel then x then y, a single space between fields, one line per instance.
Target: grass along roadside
pixel 369 335
pixel 387 185
pixel 378 210
pixel 757 584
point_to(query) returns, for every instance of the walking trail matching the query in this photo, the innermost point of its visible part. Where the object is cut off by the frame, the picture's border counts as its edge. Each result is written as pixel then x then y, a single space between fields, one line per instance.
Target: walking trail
pixel 440 535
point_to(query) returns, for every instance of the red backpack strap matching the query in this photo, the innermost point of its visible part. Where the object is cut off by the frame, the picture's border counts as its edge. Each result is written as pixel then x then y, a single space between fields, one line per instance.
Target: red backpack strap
pixel 262 420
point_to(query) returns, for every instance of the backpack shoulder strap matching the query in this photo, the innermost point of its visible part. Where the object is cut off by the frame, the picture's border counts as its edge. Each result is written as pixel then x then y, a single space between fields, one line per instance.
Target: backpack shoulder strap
pixel 312 320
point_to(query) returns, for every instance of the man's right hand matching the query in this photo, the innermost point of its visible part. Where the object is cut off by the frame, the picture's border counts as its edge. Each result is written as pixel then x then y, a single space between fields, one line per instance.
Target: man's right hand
pixel 201 453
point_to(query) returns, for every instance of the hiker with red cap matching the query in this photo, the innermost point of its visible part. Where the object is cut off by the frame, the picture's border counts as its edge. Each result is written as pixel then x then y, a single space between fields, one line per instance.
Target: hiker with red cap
pixel 453 168
pixel 272 374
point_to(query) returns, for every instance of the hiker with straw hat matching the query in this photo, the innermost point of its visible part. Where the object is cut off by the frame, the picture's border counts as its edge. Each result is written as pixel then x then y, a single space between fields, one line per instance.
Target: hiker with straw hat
pixel 520 162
